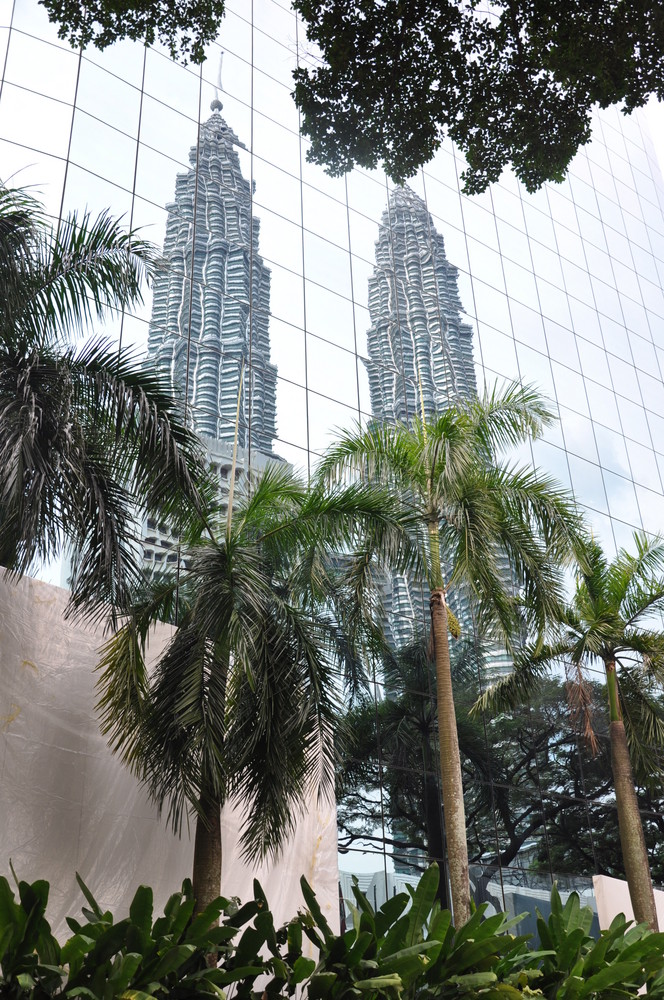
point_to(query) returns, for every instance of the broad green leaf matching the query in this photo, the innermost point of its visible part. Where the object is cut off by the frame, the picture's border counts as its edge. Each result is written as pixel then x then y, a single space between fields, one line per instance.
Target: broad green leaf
pixel 181 918
pixel 397 936
pixel 473 980
pixel 390 962
pixel 390 912
pixel 471 927
pixel 5 937
pixel 124 971
pixel 423 899
pixel 359 948
pixel 320 985
pixel 140 910
pixel 249 946
pixel 618 972
pixel 471 953
pixel 315 910
pixel 440 925
pixel 76 947
pixel 302 968
pixel 94 905
pixel 136 995
pixel 265 924
pixel 172 960
pixel 280 968
pixel 109 943
pixel 203 921
pixel 295 936
pixel 225 978
pixel 243 915
pixel 219 935
pixel 379 983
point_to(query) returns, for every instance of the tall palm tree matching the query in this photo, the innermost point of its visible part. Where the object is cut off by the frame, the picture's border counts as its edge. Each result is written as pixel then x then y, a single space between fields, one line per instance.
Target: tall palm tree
pixel 243 701
pixel 612 622
pixel 90 436
pixel 393 745
pixel 480 517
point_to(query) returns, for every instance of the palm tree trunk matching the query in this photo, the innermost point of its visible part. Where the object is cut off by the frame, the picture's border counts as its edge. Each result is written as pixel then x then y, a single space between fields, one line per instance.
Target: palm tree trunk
pixel 632 841
pixel 434 831
pixel 450 764
pixel 206 876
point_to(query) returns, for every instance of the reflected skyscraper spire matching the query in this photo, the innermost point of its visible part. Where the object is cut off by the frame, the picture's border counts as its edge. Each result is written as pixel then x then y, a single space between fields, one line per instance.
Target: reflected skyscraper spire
pixel 420 349
pixel 210 314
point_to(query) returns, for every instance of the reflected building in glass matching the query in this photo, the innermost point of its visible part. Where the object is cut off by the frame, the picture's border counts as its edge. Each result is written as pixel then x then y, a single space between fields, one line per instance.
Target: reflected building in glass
pixel 420 349
pixel 210 316
pixel 420 357
pixel 561 289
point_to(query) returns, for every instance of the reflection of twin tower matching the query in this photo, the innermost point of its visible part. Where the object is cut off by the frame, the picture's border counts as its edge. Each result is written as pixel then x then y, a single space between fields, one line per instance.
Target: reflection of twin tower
pixel 420 352
pixel 203 332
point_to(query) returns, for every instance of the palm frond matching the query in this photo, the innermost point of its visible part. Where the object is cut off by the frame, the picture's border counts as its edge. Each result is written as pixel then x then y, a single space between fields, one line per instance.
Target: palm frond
pixel 21 221
pixel 647 646
pixel 378 454
pixel 180 745
pixel 507 415
pixel 87 268
pixel 122 687
pixel 89 435
pixel 631 574
pixel 643 716
pixel 282 711
pixel 580 701
pixel 530 665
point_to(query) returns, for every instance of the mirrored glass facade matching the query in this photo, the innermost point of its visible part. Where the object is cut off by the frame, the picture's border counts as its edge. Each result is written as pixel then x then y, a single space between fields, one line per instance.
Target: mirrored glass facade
pixel 342 300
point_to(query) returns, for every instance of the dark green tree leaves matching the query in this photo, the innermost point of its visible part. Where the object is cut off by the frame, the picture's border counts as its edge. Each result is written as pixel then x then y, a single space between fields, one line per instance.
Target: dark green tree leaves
pixel 184 27
pixel 513 86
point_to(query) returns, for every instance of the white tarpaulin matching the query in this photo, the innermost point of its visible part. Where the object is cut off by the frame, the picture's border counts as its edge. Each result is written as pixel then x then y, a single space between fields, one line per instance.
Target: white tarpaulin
pixel 67 805
pixel 612 896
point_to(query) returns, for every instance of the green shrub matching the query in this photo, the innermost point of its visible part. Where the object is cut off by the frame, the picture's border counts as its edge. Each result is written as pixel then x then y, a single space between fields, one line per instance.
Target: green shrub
pixel 406 950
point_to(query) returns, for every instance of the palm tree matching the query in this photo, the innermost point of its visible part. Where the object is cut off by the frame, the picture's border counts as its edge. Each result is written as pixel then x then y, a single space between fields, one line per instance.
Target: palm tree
pixel 393 746
pixel 243 702
pixel 611 621
pixel 90 436
pixel 481 518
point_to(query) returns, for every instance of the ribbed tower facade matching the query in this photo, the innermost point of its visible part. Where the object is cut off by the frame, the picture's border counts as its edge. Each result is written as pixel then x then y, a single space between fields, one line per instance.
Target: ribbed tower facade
pixel 205 332
pixel 420 351
pixel 210 335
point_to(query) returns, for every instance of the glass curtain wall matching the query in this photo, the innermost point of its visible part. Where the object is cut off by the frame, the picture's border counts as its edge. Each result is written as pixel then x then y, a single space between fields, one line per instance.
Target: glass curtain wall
pixel 343 299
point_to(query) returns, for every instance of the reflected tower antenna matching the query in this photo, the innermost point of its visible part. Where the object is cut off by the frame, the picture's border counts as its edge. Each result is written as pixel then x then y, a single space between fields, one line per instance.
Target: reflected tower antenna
pixel 216 104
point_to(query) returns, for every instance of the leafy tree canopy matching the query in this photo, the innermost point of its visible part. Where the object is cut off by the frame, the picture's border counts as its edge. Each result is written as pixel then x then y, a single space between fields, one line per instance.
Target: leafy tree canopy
pixel 184 27
pixel 512 82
